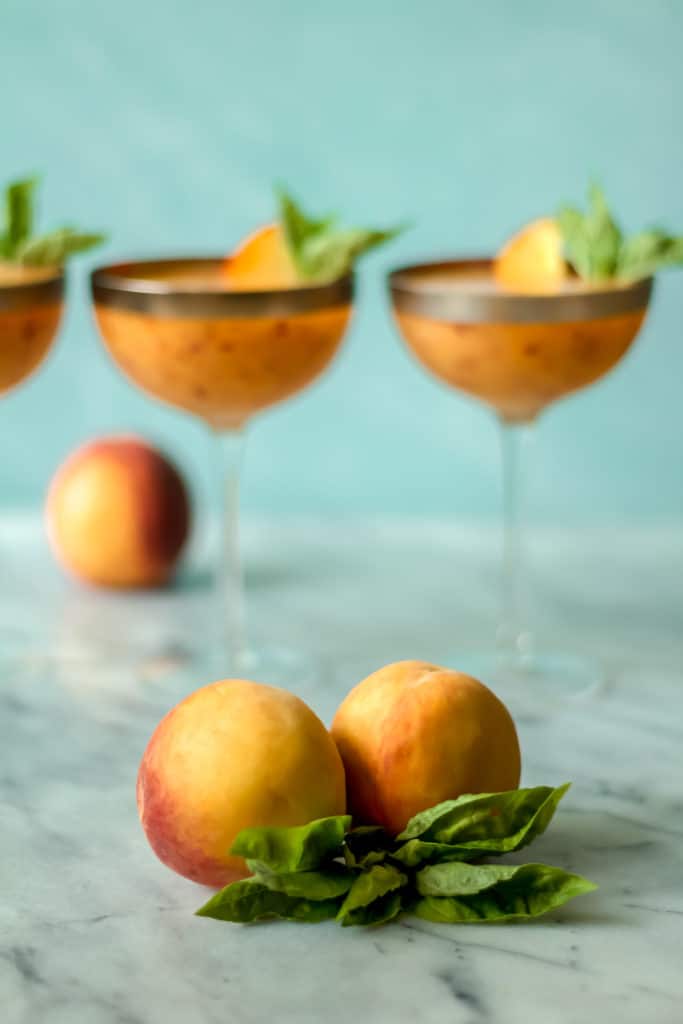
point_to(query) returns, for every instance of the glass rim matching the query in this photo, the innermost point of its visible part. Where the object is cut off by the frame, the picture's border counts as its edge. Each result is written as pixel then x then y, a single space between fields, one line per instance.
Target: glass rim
pixel 44 291
pixel 441 302
pixel 122 285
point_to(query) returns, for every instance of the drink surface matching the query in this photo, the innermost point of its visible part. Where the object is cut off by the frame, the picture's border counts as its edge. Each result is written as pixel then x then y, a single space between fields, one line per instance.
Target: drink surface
pixel 481 281
pixel 13 274
pixel 186 276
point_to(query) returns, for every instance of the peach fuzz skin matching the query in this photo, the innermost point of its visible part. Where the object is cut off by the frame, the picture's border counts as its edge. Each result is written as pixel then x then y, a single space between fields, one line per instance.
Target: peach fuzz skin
pixel 232 755
pixel 222 369
pixel 413 734
pixel 118 514
pixel 25 338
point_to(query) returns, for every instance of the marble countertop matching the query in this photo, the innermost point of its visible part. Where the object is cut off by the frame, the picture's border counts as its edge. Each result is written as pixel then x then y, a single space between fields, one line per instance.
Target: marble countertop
pixel 94 930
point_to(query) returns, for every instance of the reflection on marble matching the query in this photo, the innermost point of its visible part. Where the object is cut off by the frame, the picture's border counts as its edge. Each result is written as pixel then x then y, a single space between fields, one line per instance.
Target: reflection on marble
pixel 93 930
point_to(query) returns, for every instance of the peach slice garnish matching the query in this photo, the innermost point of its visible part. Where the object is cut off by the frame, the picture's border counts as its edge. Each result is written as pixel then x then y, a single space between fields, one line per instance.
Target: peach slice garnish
pixel 532 261
pixel 261 262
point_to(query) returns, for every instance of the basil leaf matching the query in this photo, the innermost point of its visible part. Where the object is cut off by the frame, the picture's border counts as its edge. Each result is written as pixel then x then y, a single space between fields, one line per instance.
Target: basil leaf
pixel 378 912
pixel 320 249
pixel 251 900
pixel 596 248
pixel 576 243
pixel 533 890
pixel 592 240
pixel 332 253
pixel 604 234
pixel 645 253
pixel 368 887
pixel 487 823
pixel 458 879
pixel 325 884
pixel 301 848
pixel 366 845
pixel 417 851
pixel 19 210
pixel 54 248
pixel 298 227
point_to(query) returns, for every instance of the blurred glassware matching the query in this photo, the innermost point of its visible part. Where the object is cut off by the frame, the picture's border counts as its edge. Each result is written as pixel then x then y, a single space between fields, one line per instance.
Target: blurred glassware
pixel 178 330
pixel 31 302
pixel 517 353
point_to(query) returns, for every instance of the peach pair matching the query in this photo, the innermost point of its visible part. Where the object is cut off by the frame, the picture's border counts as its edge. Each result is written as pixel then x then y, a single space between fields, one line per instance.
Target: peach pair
pixel 236 754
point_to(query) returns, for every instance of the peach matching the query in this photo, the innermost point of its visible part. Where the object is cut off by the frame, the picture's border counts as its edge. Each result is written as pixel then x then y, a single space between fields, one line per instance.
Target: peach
pixel 118 513
pixel 532 261
pixel 261 262
pixel 413 734
pixel 232 755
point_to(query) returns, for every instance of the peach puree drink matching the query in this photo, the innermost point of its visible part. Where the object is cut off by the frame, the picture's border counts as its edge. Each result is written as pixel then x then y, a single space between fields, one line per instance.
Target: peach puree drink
pixel 514 352
pixel 206 337
pixel 30 310
pixel 179 331
pixel 518 342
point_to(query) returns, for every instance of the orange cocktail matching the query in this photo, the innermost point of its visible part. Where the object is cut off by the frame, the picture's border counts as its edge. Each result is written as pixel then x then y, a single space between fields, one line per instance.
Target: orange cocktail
pixel 30 311
pixel 185 332
pixel 516 352
pixel 223 339
pixel 181 332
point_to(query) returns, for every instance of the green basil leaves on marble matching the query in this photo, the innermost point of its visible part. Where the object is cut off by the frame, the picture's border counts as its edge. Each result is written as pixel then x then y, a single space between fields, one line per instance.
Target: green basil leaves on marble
pixel 253 900
pixel 433 869
pixel 597 249
pixel 19 244
pixel 485 824
pixel 367 845
pixel 368 892
pixel 458 893
pixel 327 883
pixel 320 248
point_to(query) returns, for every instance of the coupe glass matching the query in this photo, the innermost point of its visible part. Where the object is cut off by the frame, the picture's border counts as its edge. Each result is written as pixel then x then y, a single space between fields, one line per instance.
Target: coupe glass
pixel 31 301
pixel 180 333
pixel 517 353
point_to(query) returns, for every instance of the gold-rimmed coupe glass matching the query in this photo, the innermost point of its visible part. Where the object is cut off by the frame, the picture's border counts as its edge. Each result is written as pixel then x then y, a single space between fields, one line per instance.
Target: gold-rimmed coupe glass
pixel 179 332
pixel 31 303
pixel 517 353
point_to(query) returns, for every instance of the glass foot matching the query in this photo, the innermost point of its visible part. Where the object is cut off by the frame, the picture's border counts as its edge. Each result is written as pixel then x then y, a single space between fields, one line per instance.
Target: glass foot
pixel 182 668
pixel 278 666
pixel 535 685
pixel 532 688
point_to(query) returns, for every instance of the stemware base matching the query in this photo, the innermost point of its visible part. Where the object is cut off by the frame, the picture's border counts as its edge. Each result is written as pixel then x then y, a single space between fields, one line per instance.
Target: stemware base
pixel 537 685
pixel 278 666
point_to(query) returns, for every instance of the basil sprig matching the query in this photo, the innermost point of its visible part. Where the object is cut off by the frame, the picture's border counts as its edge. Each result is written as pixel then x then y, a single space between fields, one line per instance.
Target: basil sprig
pixel 18 244
pixel 433 868
pixel 320 248
pixel 598 250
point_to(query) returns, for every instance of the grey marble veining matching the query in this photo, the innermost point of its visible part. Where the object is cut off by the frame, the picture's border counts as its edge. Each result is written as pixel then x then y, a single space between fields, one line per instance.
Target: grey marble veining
pixel 93 930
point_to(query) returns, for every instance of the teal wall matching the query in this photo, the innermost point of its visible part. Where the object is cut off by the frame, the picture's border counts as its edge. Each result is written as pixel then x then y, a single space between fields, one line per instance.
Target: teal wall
pixel 166 121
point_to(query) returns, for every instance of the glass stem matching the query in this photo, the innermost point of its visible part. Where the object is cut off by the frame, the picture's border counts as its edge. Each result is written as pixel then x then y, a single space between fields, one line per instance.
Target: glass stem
pixel 229 585
pixel 515 639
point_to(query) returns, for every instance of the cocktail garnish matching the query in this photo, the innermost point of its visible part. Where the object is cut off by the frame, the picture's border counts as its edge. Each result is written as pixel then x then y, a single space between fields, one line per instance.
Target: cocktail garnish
pixel 18 244
pixel 320 248
pixel 598 250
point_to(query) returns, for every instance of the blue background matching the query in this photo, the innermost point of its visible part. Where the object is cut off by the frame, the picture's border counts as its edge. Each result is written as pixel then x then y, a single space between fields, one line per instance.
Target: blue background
pixel 166 122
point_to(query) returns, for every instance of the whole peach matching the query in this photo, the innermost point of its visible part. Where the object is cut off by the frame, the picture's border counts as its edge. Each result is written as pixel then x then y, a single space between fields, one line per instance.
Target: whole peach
pixel 118 513
pixel 413 734
pixel 232 755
